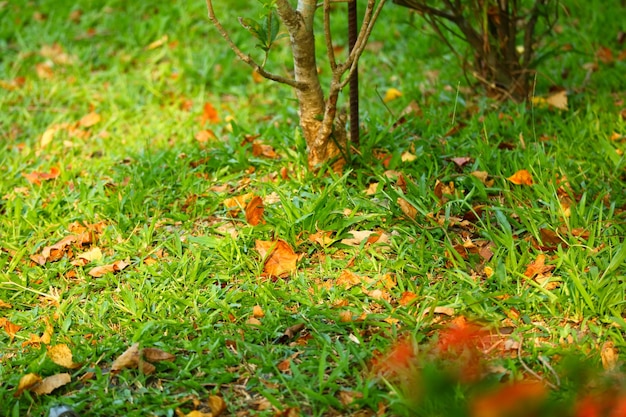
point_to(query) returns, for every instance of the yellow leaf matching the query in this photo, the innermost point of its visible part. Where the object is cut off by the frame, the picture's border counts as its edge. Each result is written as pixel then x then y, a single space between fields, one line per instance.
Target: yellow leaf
pixel 408 157
pixel 392 94
pixel 89 120
pixel 159 42
pixel 62 355
pixel 27 382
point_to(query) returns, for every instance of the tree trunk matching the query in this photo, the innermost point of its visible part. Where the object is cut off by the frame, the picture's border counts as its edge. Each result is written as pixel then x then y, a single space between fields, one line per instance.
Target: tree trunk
pixel 312 108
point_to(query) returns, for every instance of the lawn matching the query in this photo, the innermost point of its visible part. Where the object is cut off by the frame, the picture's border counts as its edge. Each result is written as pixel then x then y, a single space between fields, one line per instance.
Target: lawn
pixel 137 152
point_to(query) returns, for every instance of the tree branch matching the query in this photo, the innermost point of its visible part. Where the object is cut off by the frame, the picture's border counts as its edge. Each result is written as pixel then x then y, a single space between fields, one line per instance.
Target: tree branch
pixel 328 36
pixel 247 58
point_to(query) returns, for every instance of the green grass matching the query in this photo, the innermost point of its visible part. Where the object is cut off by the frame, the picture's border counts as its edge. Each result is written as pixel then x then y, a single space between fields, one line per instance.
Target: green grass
pixel 191 287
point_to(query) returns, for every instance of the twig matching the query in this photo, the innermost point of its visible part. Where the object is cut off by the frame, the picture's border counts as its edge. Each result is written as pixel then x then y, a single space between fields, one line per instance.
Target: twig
pixel 328 36
pixel 246 58
pixel 527 368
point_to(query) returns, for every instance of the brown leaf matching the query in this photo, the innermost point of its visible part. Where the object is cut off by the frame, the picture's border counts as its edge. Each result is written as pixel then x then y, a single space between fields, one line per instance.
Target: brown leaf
pixel 348 279
pixel 538 267
pixel 205 135
pixel 280 259
pixel 49 384
pixel 44 71
pixel 407 208
pixel 100 271
pixel 254 211
pixel 321 237
pixel 284 366
pixel 4 304
pixel 37 177
pixel 370 236
pixel 127 360
pixel 217 404
pixel 235 204
pixel 261 149
pixel 156 355
pixel 28 381
pixel 290 333
pixel 483 176
pixel 521 177
pixel 62 355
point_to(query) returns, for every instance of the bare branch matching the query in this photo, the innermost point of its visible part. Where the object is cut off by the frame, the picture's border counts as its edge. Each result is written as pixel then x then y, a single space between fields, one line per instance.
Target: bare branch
pixel 247 58
pixel 366 30
pixel 328 36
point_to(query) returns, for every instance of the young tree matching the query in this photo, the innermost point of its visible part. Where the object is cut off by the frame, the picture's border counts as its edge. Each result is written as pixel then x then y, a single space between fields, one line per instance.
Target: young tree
pixel 501 34
pixel 326 140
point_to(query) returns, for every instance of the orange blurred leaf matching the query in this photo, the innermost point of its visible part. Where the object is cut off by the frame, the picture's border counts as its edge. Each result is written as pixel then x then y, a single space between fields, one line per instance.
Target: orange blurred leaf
pixel 36 177
pixel 407 298
pixel 407 208
pixel 509 400
pixel 10 328
pixel 538 267
pixel 521 177
pixel 209 114
pixel 89 119
pixel 280 259
pixel 254 211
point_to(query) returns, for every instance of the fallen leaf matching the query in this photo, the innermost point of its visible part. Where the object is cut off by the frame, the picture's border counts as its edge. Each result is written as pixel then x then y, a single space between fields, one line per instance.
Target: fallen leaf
pixel 321 237
pixel 258 312
pixel 100 271
pixel 508 400
pixel 254 211
pixel 84 258
pixel 159 42
pixel 279 258
pixel 26 382
pixel 44 71
pixel 156 355
pixel 127 360
pixel 4 304
pixel 56 54
pixel 407 208
pixel 209 114
pixel 37 177
pixel 261 149
pixel 558 100
pixel 371 189
pixel 391 94
pixel 538 267
pixel 521 177
pixel 290 333
pixel 62 356
pixel 483 176
pixel 348 279
pixel 49 384
pixel 609 356
pixel 368 236
pixel 462 161
pixel 238 203
pixel 408 157
pixel 205 135
pixel 10 328
pixel 407 297
pixel 89 119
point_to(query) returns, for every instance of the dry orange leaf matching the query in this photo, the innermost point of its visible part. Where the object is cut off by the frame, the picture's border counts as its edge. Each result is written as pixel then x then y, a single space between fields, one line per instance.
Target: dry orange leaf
pixel 348 279
pixel 407 297
pixel 609 356
pixel 62 355
pixel 10 328
pixel 254 211
pixel 407 208
pixel 321 237
pixel 37 177
pixel 4 304
pixel 26 382
pixel 258 312
pixel 538 267
pixel 521 177
pixel 205 135
pixel 280 259
pixel 235 204
pixel 49 384
pixel 44 71
pixel 100 271
pixel 558 100
pixel 209 114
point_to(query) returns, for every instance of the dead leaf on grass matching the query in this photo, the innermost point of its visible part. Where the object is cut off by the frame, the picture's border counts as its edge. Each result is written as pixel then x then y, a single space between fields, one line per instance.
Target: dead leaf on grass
pixel 279 258
pixel 36 177
pixel 112 268
pixel 49 384
pixel 369 236
pixel 27 381
pixel 10 328
pixel 62 356
pixel 254 211
pixel 538 267
pixel 521 177
pixel 407 208
pixel 609 356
